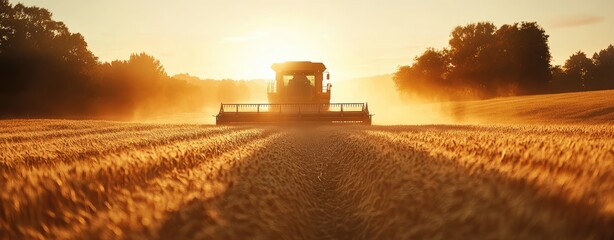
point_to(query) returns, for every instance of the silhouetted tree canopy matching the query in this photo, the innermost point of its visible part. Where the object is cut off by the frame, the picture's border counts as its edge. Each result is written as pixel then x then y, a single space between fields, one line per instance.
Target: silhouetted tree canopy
pixel 577 69
pixel 472 50
pixel 524 58
pixel 428 71
pixel 602 75
pixel 580 73
pixel 47 71
pixel 484 61
pixel 40 60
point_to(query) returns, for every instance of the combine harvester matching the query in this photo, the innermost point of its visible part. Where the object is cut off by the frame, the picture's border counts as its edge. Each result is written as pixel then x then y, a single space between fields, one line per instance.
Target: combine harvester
pixel 298 94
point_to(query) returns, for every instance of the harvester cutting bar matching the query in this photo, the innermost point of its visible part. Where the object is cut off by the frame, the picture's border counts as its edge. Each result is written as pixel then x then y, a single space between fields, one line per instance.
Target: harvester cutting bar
pixel 290 112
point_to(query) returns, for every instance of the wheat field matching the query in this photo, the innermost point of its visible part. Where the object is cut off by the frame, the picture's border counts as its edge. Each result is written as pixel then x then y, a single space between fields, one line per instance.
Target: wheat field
pixel 99 180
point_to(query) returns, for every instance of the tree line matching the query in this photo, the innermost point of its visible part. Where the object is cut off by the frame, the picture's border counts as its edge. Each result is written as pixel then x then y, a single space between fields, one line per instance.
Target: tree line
pixel 47 71
pixel 580 73
pixel 483 61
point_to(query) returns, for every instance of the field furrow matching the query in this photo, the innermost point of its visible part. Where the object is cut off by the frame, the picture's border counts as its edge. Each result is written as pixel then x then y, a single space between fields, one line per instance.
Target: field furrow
pixel 86 187
pixel 580 167
pixel 34 126
pixel 86 147
pixel 152 203
pixel 443 197
pixel 109 180
pixel 18 137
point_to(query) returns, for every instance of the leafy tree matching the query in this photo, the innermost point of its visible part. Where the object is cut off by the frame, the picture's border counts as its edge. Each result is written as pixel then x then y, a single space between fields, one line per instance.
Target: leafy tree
pixel 577 71
pixel 481 62
pixel 472 48
pixel 558 80
pixel 523 57
pixel 433 65
pixel 602 76
pixel 47 71
pixel 580 73
pixel 427 76
pixel 40 60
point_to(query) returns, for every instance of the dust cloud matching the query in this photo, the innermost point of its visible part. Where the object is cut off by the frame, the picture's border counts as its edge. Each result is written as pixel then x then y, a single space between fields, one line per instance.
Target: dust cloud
pixel 388 107
pixel 378 91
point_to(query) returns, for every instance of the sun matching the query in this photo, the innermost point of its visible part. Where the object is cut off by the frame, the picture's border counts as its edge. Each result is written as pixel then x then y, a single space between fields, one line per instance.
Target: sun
pixel 256 51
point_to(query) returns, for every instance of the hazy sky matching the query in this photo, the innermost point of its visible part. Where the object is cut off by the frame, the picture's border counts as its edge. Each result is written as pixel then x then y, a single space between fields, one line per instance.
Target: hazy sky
pixel 240 39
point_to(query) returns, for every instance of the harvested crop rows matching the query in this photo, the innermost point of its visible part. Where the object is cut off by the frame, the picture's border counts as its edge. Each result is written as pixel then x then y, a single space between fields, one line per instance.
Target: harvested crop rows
pixel 96 179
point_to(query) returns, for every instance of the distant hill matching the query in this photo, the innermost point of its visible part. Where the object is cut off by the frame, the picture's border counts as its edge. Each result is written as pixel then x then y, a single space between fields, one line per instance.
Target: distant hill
pixel 596 107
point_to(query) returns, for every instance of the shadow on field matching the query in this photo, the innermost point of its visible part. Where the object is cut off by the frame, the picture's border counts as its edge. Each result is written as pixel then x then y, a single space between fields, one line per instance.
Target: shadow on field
pixel 406 193
pixel 40 210
pixel 285 192
pixel 390 192
pixel 234 214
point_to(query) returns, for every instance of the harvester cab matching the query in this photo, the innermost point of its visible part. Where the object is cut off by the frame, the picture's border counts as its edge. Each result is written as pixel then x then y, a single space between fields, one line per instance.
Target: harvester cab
pixel 300 93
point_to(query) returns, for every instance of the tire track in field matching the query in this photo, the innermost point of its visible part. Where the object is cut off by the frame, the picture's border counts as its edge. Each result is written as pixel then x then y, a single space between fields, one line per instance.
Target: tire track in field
pixel 30 163
pixel 333 217
pixel 78 190
pixel 289 191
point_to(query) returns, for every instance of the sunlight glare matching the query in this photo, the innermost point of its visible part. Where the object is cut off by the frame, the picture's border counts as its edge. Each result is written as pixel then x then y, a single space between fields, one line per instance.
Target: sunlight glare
pixel 256 51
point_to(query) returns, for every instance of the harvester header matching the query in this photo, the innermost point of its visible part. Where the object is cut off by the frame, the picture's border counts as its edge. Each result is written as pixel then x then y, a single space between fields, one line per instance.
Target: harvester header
pixel 300 93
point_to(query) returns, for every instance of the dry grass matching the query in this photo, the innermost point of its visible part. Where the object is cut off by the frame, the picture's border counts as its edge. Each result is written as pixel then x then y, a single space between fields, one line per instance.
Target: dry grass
pixel 103 180
pixel 595 107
